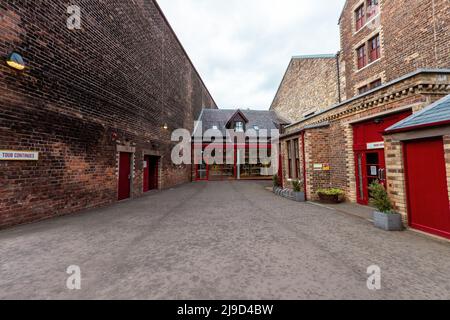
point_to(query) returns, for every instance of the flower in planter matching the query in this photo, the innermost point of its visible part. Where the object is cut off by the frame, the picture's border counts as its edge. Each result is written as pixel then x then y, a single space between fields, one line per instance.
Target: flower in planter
pixel 333 195
pixel 380 198
pixel 331 192
pixel 297 185
pixel 385 217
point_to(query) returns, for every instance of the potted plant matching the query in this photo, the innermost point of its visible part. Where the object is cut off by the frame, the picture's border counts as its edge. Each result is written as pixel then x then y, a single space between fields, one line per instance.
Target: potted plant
pixel 332 195
pixel 384 218
pixel 299 196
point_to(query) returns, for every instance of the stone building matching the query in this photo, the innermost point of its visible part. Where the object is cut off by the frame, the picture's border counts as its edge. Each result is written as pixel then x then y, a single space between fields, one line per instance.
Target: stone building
pixel 394 61
pixel 318 76
pixel 92 113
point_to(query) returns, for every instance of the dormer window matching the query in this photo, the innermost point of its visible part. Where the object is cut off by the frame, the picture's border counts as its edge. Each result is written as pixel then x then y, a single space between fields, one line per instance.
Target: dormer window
pixel 239 126
pixel 237 122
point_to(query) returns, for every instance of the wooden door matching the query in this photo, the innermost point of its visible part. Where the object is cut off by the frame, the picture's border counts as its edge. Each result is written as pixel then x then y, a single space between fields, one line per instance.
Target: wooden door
pixel 427 190
pixel 124 176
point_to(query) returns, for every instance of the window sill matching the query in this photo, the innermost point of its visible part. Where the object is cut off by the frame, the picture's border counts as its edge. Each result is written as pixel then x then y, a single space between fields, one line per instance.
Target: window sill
pixel 372 19
pixel 367 66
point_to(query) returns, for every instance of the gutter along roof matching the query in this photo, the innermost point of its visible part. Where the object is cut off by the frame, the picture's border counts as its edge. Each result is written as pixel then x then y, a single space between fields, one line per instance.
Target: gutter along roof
pixel 407 76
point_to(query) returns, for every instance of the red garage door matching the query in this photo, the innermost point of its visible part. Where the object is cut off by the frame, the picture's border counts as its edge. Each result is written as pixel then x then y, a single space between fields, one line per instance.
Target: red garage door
pixel 427 186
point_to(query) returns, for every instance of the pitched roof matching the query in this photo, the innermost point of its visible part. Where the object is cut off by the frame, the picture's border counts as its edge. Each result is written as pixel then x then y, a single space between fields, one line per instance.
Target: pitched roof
pixel 315 56
pixel 238 114
pixel 295 58
pixel 342 12
pixel 434 114
pixel 220 117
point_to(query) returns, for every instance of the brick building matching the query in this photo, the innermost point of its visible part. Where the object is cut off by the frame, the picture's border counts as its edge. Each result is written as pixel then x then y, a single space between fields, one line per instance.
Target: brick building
pixel 419 148
pixel 92 112
pixel 318 76
pixel 394 61
pixel 247 133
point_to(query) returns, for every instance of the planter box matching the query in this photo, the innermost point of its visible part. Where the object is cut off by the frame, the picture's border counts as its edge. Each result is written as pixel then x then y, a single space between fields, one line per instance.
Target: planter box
pixel 331 199
pixel 299 196
pixel 388 222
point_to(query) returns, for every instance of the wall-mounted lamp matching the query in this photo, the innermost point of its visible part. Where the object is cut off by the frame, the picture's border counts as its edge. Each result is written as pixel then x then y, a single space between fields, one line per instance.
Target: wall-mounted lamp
pixel 166 126
pixel 378 121
pixel 15 61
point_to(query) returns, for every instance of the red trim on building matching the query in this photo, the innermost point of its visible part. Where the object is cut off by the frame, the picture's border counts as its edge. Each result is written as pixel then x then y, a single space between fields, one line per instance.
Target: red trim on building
pixel 304 165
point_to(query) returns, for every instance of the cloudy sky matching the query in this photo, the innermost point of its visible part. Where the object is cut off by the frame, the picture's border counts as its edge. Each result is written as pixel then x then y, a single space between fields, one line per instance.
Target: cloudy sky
pixel 242 47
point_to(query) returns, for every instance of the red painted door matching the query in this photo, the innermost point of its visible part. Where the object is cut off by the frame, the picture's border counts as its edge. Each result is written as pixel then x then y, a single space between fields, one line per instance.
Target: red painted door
pixel 368 145
pixel 280 167
pixel 124 176
pixel 153 173
pixel 427 186
pixel 370 168
pixel 146 174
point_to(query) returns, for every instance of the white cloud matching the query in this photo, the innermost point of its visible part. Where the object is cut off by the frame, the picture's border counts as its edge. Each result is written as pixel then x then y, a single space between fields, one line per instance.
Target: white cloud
pixel 241 48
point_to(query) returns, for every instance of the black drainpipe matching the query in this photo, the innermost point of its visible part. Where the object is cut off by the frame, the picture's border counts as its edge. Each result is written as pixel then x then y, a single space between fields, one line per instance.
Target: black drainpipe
pixel 338 76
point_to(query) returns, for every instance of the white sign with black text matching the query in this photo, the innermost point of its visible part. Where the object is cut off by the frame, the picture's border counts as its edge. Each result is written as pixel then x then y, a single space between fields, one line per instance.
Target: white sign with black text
pixel 375 145
pixel 13 155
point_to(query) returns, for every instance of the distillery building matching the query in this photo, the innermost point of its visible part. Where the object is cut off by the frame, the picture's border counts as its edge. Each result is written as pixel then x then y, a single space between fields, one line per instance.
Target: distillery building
pixel 88 104
pixel 387 71
pixel 248 133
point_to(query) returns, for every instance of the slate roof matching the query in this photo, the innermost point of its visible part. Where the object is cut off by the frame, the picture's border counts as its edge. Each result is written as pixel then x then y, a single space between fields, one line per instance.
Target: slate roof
pixel 219 117
pixel 433 114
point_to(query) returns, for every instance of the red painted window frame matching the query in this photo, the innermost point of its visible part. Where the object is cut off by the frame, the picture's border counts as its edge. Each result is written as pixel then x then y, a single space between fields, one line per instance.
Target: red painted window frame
pixel 297 157
pixel 360 17
pixel 304 165
pixel 236 146
pixel 289 157
pixel 362 56
pixel 375 48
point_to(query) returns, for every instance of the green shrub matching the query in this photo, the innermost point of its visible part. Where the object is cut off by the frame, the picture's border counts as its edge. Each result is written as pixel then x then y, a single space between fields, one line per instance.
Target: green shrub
pixel 380 198
pixel 276 180
pixel 297 185
pixel 331 192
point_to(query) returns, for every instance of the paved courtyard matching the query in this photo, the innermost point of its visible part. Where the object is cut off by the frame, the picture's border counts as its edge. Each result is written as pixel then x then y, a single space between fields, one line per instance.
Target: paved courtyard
pixel 230 240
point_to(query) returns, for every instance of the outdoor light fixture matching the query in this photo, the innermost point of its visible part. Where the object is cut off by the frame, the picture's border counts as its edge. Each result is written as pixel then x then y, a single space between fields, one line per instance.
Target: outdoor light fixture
pixel 378 121
pixel 166 126
pixel 15 61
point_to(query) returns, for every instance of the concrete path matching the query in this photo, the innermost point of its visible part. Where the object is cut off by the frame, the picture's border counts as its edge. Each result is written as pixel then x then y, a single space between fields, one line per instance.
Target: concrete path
pixel 224 240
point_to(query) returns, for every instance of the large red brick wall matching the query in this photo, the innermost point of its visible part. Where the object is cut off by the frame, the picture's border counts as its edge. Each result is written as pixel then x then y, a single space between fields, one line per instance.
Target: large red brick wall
pixel 414 34
pixel 84 95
